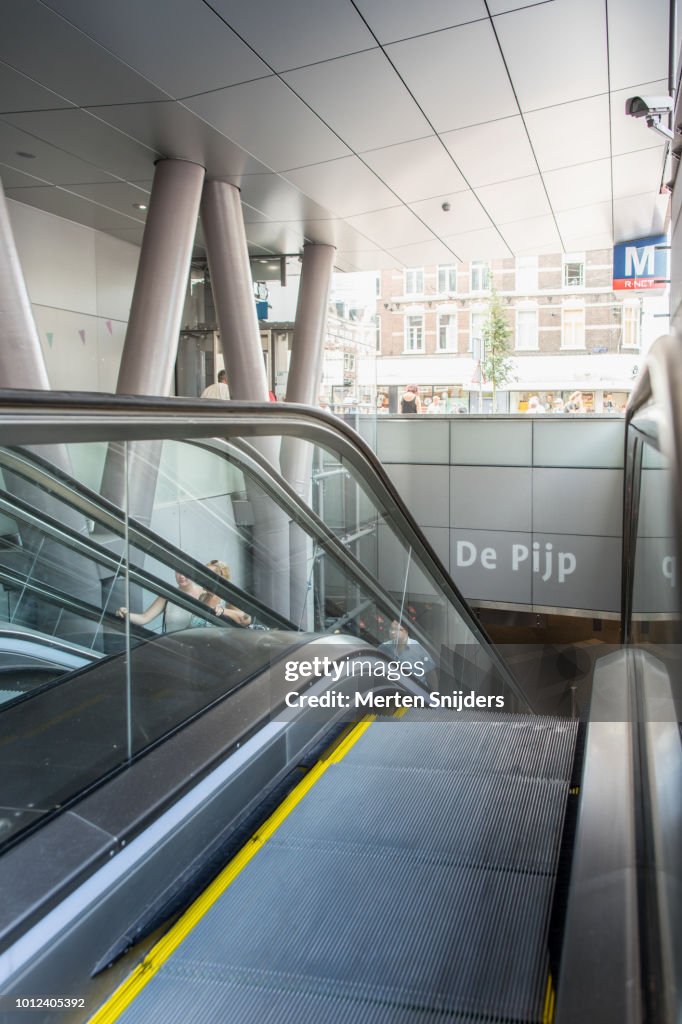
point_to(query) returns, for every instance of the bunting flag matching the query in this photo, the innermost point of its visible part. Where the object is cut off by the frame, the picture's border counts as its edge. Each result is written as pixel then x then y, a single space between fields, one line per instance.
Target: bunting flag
pixel 81 335
pixel 109 326
pixel 50 337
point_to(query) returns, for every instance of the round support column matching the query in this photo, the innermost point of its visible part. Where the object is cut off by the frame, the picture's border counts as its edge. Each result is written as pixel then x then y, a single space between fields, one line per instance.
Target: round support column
pixel 22 363
pixel 232 286
pixel 150 349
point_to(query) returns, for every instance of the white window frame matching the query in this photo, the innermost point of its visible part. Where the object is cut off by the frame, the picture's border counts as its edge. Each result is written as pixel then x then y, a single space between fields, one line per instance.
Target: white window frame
pixel 631 315
pixel 570 342
pixel 450 332
pixel 449 272
pixel 416 286
pixel 480 267
pixel 409 328
pixel 567 260
pixel 534 344
pixel 526 274
pixel 476 350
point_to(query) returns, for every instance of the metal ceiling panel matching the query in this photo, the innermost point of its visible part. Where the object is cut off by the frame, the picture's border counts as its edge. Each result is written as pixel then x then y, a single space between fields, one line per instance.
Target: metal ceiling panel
pixel 584 221
pixel 584 243
pixel 571 133
pixel 630 133
pixel 293 34
pixel 401 19
pixel 479 245
pixel 272 124
pixel 502 6
pixel 637 216
pixel 48 162
pixel 465 214
pixel 391 228
pixel 417 170
pixel 119 195
pixel 466 81
pixel 65 204
pixel 556 52
pixel 637 50
pixel 493 152
pixel 10 177
pixel 43 46
pixel 423 254
pixel 362 99
pixel 17 92
pixel 340 95
pixel 371 259
pixel 636 173
pixel 278 200
pixel 182 46
pixel 532 236
pixel 337 233
pixel 581 185
pixel 275 237
pixel 345 186
pixel 515 200
pixel 173 131
pixel 86 137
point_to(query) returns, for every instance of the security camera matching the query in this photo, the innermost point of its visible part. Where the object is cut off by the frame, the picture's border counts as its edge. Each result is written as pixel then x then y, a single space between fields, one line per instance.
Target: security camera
pixel 643 106
pixel 652 109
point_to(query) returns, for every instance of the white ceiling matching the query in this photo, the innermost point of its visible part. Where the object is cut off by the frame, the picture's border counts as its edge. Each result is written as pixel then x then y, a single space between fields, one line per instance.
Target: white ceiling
pixel 349 122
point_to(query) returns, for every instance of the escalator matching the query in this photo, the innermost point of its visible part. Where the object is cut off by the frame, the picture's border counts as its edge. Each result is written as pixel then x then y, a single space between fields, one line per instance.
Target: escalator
pixel 201 850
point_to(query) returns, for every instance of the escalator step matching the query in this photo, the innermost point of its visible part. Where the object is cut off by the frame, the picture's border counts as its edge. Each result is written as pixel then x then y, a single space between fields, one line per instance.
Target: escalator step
pixel 412 884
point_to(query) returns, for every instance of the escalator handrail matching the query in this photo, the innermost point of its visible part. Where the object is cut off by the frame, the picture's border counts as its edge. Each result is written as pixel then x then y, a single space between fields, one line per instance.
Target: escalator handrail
pixel 88 548
pixel 94 506
pixel 47 417
pixel 249 461
pixel 88 504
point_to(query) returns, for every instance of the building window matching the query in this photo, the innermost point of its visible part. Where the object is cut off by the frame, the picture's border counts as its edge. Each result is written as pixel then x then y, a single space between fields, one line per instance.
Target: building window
pixel 631 325
pixel 476 334
pixel 447 332
pixel 480 277
pixel 527 328
pixel 526 273
pixel 414 281
pixel 573 327
pixel 414 334
pixel 377 336
pixel 447 280
pixel 574 270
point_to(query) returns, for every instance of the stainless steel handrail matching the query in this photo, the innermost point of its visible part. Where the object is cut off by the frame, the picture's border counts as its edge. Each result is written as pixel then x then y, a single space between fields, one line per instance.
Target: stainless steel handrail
pixel 36 417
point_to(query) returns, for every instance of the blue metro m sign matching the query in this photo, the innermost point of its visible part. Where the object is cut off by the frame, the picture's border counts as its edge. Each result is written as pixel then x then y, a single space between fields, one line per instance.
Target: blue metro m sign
pixel 641 264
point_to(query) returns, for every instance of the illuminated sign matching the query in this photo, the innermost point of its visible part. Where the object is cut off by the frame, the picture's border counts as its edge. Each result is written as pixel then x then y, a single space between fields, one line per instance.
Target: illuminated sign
pixel 641 264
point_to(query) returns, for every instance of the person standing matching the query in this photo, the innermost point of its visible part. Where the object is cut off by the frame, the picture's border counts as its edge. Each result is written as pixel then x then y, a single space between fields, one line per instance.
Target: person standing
pixel 410 402
pixel 219 390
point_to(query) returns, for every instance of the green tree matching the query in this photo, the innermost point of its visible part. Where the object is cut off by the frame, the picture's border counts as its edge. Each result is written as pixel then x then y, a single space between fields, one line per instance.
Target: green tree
pixel 497 362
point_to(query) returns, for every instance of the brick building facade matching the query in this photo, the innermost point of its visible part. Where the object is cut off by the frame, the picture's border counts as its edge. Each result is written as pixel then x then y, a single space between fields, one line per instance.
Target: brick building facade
pixel 569 330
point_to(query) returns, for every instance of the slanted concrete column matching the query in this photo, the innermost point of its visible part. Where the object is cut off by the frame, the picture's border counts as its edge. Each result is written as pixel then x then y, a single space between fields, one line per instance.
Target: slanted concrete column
pixel 151 342
pixel 307 351
pixel 303 382
pixel 232 285
pixel 22 364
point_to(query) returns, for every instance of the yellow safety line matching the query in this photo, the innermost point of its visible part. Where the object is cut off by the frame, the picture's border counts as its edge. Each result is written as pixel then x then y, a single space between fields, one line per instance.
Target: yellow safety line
pixel 165 947
pixel 548 1008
